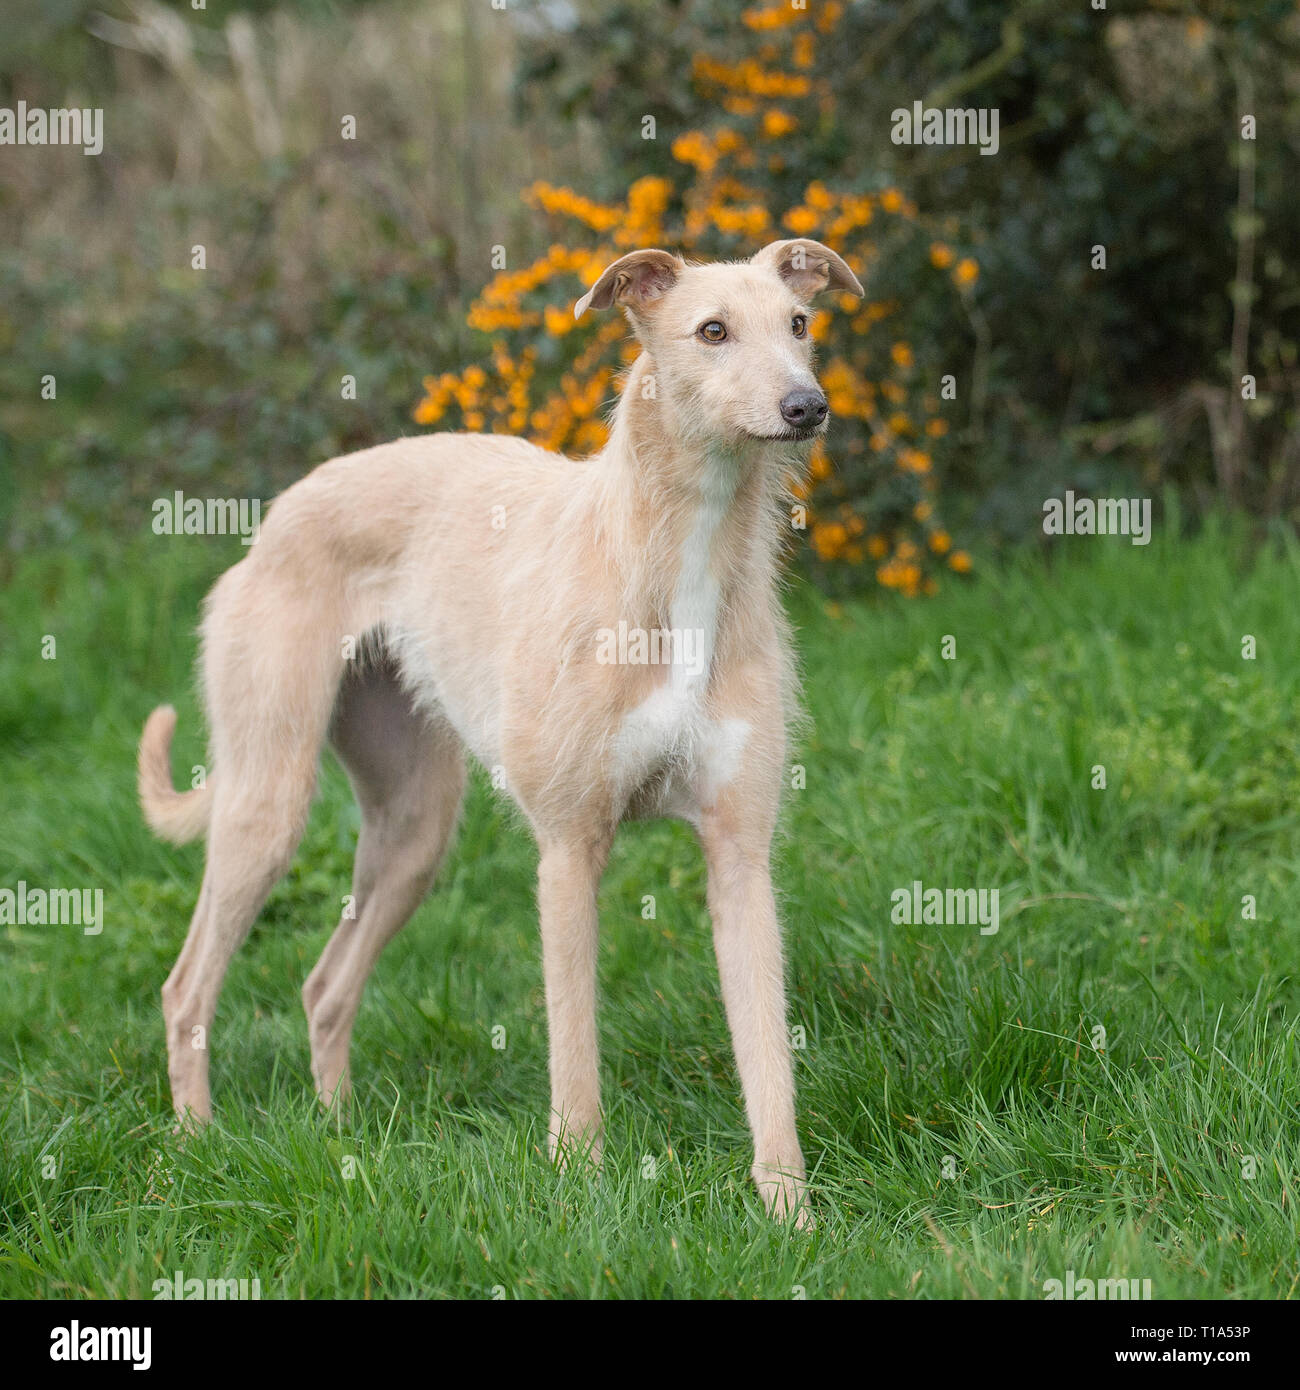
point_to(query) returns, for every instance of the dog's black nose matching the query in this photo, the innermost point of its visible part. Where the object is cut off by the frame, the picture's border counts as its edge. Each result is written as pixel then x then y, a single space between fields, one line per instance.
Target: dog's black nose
pixel 804 410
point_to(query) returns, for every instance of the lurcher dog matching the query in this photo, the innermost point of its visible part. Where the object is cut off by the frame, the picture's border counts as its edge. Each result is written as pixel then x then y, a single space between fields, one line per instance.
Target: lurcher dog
pixel 458 591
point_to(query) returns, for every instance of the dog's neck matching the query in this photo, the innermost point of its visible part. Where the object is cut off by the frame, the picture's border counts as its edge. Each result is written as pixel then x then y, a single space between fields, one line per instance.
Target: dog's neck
pixel 674 499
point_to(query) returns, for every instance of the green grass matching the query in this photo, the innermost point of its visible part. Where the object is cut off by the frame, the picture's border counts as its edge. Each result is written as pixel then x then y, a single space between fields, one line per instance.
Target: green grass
pixel 1120 908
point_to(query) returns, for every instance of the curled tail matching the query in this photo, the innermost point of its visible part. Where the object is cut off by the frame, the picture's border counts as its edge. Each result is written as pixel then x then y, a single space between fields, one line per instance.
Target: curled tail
pixel 171 815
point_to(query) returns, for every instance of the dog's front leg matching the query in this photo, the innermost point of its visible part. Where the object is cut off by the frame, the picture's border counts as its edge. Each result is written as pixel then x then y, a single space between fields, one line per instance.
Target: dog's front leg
pixel 747 939
pixel 568 878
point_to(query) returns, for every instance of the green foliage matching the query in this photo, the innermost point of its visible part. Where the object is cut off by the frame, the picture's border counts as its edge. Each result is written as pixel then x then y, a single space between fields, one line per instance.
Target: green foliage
pixel 226 377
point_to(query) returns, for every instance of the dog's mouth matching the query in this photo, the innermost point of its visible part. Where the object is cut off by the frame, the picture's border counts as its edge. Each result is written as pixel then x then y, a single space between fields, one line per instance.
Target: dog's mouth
pixel 791 436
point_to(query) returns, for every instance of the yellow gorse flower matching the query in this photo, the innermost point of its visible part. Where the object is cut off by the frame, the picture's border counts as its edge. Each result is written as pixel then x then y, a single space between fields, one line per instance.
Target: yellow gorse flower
pixel 777 124
pixel 764 17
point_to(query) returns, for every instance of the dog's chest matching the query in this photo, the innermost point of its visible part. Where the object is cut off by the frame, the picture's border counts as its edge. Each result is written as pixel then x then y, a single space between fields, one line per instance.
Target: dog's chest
pixel 693 612
pixel 670 736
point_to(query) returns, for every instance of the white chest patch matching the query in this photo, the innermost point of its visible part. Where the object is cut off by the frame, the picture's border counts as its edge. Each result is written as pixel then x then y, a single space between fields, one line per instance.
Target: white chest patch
pixel 671 723
pixel 695 602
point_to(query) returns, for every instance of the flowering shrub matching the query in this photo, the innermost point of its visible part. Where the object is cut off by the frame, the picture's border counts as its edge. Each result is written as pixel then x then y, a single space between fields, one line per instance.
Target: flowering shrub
pixel 870 500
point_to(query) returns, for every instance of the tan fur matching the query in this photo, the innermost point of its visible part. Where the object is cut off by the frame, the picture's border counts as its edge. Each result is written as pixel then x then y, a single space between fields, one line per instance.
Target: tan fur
pixel 450 592
pixel 176 816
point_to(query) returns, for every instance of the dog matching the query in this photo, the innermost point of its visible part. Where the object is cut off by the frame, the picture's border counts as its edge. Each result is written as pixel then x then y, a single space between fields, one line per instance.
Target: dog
pixel 460 592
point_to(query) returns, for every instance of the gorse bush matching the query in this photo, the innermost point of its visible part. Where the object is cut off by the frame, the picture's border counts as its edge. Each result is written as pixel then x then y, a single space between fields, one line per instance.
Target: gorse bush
pixel 871 500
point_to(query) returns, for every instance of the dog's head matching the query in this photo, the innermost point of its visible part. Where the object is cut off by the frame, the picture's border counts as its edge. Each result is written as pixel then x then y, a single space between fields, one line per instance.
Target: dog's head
pixel 730 342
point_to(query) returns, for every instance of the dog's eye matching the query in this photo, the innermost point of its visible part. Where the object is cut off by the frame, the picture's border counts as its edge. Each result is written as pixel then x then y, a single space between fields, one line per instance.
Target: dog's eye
pixel 712 332
pixel 799 326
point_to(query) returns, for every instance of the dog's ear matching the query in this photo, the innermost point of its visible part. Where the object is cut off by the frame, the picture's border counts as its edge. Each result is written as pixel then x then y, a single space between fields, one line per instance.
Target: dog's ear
pixel 808 266
pixel 634 280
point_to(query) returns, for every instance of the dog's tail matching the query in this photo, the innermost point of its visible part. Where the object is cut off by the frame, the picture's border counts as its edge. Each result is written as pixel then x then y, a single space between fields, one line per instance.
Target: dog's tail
pixel 171 815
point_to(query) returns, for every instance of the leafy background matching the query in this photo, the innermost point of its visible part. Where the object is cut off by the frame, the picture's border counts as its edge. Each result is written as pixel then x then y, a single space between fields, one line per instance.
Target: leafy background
pixel 329 256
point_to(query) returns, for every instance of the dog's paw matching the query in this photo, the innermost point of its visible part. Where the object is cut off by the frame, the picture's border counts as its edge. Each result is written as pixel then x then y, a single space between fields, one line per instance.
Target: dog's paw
pixel 785 1195
pixel 334 1096
pixel 583 1146
pixel 191 1121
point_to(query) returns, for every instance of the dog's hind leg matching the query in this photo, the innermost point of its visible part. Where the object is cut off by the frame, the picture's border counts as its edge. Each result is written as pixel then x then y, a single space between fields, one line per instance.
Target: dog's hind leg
pixel 251 841
pixel 270 679
pixel 408 773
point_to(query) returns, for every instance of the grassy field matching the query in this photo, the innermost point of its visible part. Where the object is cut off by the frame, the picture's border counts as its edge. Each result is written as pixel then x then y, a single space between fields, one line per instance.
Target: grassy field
pixel 967 1135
